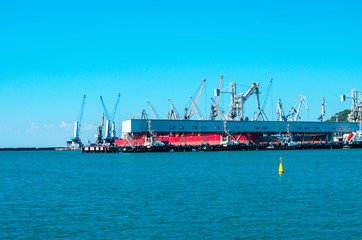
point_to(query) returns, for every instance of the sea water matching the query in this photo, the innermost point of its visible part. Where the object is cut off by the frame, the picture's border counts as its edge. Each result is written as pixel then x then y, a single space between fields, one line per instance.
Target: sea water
pixel 188 195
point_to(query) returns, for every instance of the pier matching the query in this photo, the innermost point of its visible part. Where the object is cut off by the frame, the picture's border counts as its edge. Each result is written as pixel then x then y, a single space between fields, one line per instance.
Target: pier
pixel 208 148
pixel 100 149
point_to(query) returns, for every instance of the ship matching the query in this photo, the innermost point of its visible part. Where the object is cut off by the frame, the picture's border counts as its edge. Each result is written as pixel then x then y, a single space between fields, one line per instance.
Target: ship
pixel 232 128
pixel 140 132
pixel 354 139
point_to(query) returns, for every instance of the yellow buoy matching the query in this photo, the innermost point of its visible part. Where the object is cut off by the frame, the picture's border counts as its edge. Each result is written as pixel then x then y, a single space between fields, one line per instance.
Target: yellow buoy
pixel 281 166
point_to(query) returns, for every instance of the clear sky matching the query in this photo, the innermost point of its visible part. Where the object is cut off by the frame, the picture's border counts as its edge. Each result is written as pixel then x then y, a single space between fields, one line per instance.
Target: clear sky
pixel 53 52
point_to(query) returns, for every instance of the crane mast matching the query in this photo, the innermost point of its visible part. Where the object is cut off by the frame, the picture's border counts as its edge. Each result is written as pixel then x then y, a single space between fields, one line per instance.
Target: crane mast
pixel 238 101
pixel 215 107
pixel 78 123
pixel 99 136
pixel 280 111
pixel 323 111
pixel 75 141
pixel 356 109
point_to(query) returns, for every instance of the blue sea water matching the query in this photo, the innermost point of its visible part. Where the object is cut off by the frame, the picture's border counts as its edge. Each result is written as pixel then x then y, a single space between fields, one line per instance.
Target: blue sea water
pixel 191 195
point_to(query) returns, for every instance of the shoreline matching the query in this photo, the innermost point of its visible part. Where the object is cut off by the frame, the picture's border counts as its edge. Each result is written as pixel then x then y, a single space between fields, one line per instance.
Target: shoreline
pixel 29 149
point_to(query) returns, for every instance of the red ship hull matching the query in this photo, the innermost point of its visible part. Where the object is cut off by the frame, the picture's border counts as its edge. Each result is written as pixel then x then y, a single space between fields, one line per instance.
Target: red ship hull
pixel 190 139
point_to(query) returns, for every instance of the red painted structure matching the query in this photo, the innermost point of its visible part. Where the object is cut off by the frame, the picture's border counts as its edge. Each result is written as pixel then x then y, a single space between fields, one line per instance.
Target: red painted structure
pixel 190 139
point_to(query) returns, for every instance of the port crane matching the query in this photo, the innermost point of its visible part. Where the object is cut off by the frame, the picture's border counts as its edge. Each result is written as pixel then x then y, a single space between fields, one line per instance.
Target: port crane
pixel 174 113
pixel 194 102
pixel 280 111
pixel 261 110
pixel 356 109
pixel 110 124
pixel 293 114
pixel 99 135
pixel 144 114
pixel 220 110
pixel 257 105
pixel 215 106
pixel 75 141
pixel 323 112
pixel 155 114
pixel 238 101
pixel 197 110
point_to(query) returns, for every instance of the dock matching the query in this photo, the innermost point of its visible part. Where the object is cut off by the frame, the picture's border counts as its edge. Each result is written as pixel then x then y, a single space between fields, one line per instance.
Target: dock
pixel 100 149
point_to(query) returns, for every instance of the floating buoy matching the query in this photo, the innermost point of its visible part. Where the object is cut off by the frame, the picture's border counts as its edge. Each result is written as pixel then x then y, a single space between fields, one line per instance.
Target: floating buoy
pixel 281 166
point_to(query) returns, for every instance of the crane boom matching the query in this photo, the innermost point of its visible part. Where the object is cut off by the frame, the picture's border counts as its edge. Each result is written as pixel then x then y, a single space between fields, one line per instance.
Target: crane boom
pixel 238 100
pixel 293 113
pixel 110 133
pixel 301 99
pixel 77 125
pixel 218 110
pixel 115 107
pixel 155 114
pixel 267 94
pixel 251 90
pixel 105 109
pixel 82 109
pixel 197 110
pixel 280 112
pixel 261 110
pixel 192 111
pixel 174 111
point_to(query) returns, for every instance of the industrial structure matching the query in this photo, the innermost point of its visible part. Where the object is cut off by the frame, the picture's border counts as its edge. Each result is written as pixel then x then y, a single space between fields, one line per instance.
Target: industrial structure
pixel 356 109
pixel 75 142
pixel 110 131
pixel 233 127
pixel 223 130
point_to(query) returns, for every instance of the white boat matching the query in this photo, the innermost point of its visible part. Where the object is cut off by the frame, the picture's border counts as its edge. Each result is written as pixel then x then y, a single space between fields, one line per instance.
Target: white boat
pixel 354 139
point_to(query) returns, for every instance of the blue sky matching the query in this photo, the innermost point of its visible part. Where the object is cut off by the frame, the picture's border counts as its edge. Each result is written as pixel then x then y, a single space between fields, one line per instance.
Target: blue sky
pixel 51 53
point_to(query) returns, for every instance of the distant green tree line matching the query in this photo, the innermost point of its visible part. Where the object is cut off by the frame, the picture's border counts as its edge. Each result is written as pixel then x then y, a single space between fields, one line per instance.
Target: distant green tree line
pixel 342 116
